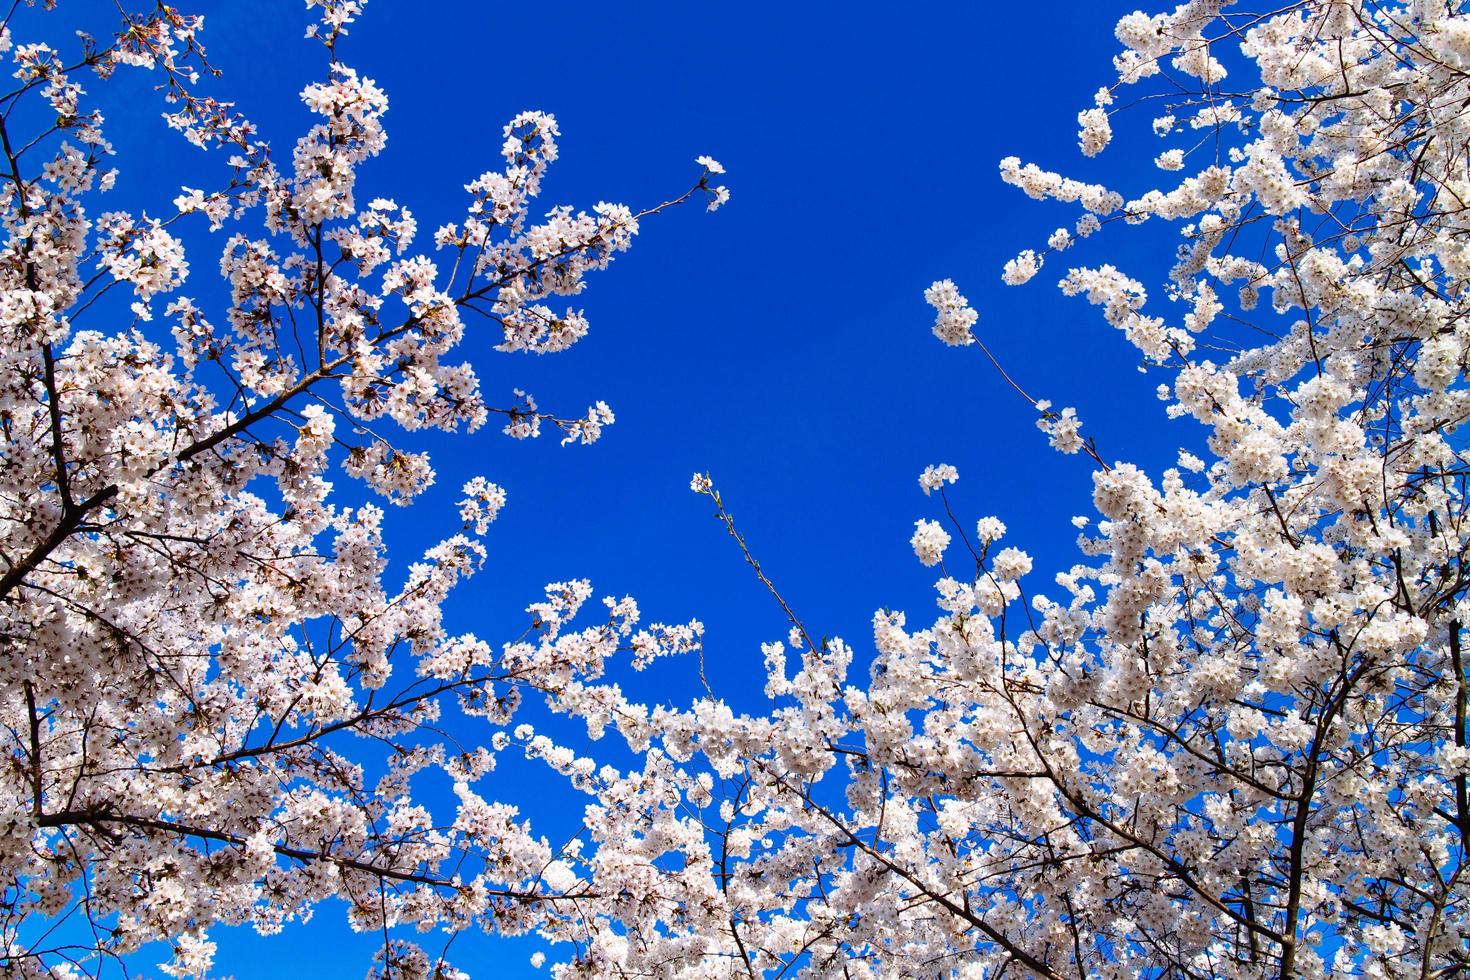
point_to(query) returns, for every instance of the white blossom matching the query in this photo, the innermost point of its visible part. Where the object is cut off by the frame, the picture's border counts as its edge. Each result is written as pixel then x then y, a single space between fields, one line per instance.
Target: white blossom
pixel 929 541
pixel 955 317
pixel 935 477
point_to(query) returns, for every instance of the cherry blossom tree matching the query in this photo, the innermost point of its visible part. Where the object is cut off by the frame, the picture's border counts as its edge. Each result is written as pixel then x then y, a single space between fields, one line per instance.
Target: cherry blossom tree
pixel 1231 741
pixel 212 699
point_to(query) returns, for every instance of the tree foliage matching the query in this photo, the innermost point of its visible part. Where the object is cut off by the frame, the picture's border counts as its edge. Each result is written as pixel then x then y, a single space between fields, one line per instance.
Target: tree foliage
pixel 193 629
pixel 1231 741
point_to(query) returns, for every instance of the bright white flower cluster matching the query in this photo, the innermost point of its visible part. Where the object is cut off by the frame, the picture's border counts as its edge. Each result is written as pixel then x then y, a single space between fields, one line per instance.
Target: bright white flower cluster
pixel 1022 268
pixel 1061 427
pixel 1095 132
pixel 718 195
pixel 1170 160
pixel 955 317
pixel 929 541
pixel 935 477
pixel 481 504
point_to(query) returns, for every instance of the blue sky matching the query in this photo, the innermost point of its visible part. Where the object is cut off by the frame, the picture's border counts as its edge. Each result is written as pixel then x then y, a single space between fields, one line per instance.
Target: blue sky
pixel 781 344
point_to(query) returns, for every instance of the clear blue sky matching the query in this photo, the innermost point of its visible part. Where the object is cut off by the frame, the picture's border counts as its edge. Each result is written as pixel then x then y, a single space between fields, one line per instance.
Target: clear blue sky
pixel 782 343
